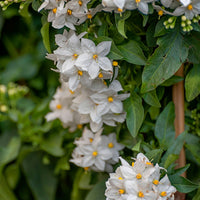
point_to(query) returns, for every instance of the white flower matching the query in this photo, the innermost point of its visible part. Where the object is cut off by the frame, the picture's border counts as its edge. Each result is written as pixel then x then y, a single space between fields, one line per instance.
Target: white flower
pixel 185 2
pixel 94 58
pixel 165 190
pixel 114 3
pixel 110 142
pixel 108 99
pixel 141 181
pixel 88 137
pixel 189 10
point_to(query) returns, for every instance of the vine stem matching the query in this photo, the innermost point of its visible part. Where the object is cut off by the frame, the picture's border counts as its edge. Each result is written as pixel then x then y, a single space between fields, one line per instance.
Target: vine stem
pixel 179 123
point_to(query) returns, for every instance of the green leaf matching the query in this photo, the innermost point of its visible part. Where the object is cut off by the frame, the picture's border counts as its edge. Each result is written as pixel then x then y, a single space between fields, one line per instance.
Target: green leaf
pixel 181 170
pixel 171 81
pixel 176 147
pixel 40 177
pixel 152 99
pixel 160 29
pixel 195 150
pixel 132 53
pixel 85 181
pixel 197 196
pixel 192 83
pixel 53 144
pixel 170 159
pixel 45 36
pixel 24 12
pixel 182 184
pixel 193 42
pixel 24 67
pixel 12 174
pixel 137 146
pixel 135 114
pixel 165 61
pixel 5 192
pixel 164 129
pixel 99 189
pixel 154 155
pixel 10 152
pixel 120 22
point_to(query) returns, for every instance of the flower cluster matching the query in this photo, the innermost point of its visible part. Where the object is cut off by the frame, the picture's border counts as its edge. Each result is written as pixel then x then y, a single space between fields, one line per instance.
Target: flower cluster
pixel 95 151
pixel 80 61
pixel 68 13
pixel 96 105
pixel 139 181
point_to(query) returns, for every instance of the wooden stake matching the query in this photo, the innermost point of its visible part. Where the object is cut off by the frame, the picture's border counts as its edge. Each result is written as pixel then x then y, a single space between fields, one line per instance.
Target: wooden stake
pixel 179 123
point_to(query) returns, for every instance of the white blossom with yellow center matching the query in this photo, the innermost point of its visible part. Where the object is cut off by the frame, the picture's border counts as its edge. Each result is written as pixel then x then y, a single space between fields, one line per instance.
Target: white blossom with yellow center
pixel 125 184
pixel 94 57
pixel 188 8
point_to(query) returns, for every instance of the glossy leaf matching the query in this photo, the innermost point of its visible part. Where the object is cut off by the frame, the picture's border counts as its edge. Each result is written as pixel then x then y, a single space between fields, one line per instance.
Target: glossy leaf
pixel 135 114
pixel 182 184
pixel 164 129
pixel 192 83
pixel 132 53
pixel 165 61
pixel 152 99
pixel 40 178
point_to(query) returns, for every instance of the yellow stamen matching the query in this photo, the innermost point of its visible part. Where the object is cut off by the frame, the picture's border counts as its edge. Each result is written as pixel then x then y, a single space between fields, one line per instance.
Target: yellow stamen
pixel 133 164
pixel 54 10
pixel 89 16
pixel 91 140
pixel 140 194
pixel 148 163
pixel 58 106
pixel 121 191
pixel 75 56
pixel 190 7
pixel 138 176
pixel 110 99
pixel 110 145
pixel 95 153
pixel 119 10
pixel 104 82
pixel 80 3
pixel 80 73
pixel 95 56
pixel 120 178
pixel 115 63
pixel 155 182
pixel 86 168
pixel 160 13
pixel 100 75
pixel 69 12
pixel 137 1
pixel 163 194
pixel 71 91
pixel 79 126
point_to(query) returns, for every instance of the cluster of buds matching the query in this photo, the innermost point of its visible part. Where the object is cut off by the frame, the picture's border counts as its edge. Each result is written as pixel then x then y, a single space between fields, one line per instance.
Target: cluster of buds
pixel 141 180
pixel 170 23
pixel 96 152
pixel 186 24
pixel 6 3
pixel 10 93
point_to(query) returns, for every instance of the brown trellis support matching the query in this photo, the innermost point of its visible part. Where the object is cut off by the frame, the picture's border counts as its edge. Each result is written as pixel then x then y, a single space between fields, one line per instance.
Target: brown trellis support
pixel 179 123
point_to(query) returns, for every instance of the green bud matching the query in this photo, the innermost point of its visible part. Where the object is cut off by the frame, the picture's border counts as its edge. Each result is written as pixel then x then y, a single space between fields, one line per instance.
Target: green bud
pixel 170 20
pixel 183 18
pixel 183 24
